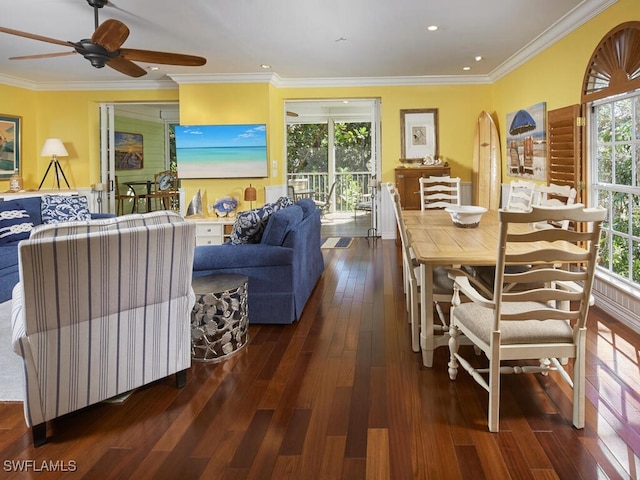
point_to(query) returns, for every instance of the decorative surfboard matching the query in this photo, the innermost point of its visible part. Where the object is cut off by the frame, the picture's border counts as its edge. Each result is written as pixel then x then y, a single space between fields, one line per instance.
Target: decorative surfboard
pixel 487 171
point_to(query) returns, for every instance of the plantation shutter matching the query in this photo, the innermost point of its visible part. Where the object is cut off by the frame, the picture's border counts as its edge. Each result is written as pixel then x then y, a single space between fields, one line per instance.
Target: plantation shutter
pixel 564 163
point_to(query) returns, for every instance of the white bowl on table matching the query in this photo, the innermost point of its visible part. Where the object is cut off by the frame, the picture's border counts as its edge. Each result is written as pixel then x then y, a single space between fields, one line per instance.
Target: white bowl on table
pixel 465 216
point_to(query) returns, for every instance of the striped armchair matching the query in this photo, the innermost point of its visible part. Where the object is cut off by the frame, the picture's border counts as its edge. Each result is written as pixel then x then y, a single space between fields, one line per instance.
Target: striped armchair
pixel 101 309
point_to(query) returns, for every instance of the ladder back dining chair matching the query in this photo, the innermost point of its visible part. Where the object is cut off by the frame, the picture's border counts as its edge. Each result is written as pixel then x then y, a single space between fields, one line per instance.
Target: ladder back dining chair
pixel 439 192
pixel 545 320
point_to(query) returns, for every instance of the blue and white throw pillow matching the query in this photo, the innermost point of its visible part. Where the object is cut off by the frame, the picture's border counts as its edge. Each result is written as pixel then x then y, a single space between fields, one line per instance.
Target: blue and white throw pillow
pixel 15 223
pixel 283 202
pixel 63 208
pixel 250 225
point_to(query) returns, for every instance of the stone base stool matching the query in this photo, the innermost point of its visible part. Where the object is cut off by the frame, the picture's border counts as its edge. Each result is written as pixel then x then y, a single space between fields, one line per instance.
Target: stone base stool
pixel 219 320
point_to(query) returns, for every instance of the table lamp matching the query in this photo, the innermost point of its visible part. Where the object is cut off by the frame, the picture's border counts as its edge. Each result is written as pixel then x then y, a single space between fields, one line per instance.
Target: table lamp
pixel 250 195
pixel 55 148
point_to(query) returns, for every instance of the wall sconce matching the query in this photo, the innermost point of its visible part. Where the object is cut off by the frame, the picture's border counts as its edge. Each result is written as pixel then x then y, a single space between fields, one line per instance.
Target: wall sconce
pixel 55 148
pixel 250 195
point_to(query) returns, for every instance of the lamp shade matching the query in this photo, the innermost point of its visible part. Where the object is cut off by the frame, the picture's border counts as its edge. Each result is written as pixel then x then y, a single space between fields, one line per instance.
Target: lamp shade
pixel 250 194
pixel 53 146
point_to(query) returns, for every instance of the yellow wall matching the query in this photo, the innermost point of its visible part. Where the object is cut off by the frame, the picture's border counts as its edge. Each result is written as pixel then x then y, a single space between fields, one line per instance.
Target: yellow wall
pixel 458 107
pixel 554 77
pixel 71 116
pixel 228 104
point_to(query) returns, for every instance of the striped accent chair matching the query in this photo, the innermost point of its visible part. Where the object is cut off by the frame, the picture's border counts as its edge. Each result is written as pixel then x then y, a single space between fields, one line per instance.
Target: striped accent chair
pixel 102 308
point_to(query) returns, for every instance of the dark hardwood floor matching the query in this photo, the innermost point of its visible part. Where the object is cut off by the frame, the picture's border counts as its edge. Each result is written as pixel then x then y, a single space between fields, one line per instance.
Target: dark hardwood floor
pixel 340 395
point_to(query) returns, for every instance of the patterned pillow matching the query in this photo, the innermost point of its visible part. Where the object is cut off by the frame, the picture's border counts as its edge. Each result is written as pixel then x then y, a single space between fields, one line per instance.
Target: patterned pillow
pixel 15 223
pixel 250 225
pixel 63 208
pixel 283 202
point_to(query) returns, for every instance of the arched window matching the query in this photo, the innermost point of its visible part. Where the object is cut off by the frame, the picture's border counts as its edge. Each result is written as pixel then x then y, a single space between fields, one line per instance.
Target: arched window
pixel 611 91
pixel 614 66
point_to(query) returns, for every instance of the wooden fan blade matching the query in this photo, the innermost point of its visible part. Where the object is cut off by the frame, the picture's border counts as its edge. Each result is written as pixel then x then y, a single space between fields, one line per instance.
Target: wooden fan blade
pixel 125 66
pixel 110 34
pixel 166 58
pixel 43 55
pixel 33 36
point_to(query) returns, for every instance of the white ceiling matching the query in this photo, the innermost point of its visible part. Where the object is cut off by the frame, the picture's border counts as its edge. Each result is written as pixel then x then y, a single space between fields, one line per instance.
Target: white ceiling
pixel 323 40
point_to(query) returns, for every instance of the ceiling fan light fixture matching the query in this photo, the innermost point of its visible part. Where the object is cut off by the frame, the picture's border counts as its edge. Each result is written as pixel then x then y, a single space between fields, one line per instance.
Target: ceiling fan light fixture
pixel 97 55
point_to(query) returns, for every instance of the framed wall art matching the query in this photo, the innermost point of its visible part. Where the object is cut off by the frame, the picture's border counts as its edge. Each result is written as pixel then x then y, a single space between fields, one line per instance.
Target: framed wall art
pixel 129 151
pixel 222 151
pixel 419 133
pixel 9 145
pixel 527 142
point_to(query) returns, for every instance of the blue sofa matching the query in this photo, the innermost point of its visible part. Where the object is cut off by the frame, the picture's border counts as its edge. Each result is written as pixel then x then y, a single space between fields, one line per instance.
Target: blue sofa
pixel 9 251
pixel 283 268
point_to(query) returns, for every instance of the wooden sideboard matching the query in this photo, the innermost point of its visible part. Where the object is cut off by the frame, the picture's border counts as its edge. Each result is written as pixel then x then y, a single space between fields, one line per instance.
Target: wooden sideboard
pixel 408 183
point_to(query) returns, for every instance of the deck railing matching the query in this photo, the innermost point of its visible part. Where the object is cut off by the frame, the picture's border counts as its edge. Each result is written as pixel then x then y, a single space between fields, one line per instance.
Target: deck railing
pixel 350 187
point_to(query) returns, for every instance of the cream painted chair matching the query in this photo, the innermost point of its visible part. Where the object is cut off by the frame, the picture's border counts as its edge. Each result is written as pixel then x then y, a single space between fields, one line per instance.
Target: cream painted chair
pixel 521 195
pixel 442 284
pixel 553 195
pixel 102 307
pixel 547 321
pixel 439 192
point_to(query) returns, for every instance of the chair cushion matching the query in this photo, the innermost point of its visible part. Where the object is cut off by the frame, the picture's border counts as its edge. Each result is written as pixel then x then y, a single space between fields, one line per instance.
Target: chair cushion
pixel 62 208
pixel 15 223
pixel 442 284
pixel 479 321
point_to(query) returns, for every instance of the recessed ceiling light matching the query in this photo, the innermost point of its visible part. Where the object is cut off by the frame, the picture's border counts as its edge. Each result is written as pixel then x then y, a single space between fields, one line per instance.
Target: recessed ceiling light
pixel 478 58
pixel 466 68
pixel 265 66
pixel 154 68
pixel 432 28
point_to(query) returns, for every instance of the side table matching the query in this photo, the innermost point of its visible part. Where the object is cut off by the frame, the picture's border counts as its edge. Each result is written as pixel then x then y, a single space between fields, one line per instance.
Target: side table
pixel 219 320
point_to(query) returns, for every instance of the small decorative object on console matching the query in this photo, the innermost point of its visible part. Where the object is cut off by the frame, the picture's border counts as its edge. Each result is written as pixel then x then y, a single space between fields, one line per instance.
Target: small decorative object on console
pixel 226 206
pixel 15 182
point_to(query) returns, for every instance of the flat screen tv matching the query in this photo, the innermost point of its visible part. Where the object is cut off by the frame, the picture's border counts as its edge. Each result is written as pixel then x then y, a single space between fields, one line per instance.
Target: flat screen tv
pixel 221 151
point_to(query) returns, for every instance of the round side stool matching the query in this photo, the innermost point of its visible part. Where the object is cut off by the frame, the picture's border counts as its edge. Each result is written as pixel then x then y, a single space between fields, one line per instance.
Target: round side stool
pixel 219 321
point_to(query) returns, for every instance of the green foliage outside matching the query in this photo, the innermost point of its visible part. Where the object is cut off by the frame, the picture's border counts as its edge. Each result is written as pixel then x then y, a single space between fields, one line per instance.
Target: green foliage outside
pixel 618 184
pixel 307 152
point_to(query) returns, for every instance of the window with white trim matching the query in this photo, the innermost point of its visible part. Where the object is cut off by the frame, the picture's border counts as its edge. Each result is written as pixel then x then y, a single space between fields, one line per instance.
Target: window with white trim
pixel 615 175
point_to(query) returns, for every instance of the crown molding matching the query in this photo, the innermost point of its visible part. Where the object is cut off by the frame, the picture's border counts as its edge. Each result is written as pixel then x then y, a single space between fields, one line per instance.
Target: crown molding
pixel 382 81
pixel 574 19
pixel 110 85
pixel 212 78
pixel 17 82
pixel 277 81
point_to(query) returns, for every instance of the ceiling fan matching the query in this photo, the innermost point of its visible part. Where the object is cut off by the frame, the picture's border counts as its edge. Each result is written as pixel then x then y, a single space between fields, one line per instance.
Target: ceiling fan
pixel 104 48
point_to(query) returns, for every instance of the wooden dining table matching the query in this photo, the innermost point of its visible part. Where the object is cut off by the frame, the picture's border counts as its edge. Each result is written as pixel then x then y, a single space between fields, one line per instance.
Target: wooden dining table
pixel 436 241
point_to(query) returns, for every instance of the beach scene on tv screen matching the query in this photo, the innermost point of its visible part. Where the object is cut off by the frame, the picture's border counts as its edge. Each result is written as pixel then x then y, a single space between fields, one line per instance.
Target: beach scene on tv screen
pixel 221 151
